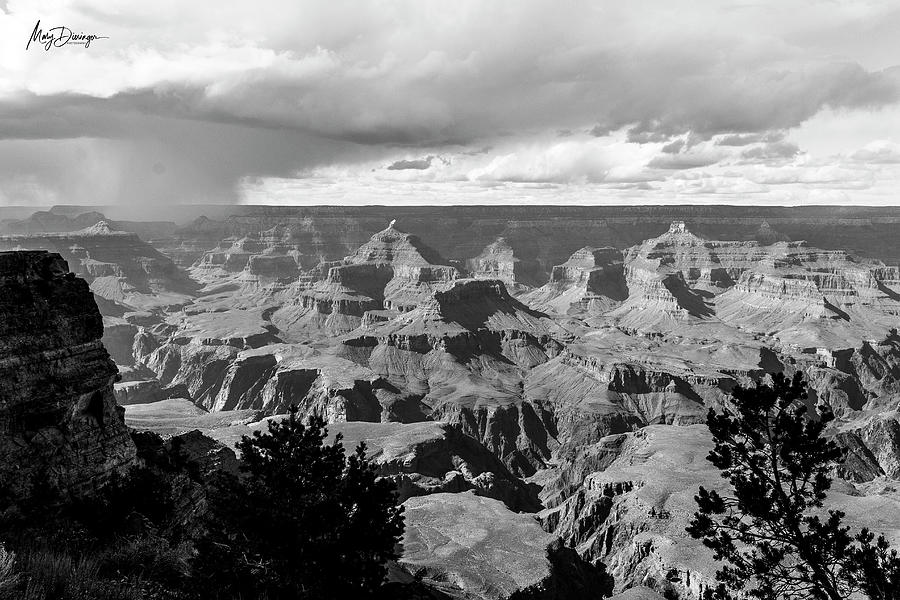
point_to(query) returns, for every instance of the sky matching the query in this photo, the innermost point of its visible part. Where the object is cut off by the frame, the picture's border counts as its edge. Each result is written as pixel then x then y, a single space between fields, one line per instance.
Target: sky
pixel 782 102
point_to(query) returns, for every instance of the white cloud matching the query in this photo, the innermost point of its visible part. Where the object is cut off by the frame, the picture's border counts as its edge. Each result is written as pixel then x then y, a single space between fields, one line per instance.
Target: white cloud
pixel 331 88
pixel 427 71
pixel 878 152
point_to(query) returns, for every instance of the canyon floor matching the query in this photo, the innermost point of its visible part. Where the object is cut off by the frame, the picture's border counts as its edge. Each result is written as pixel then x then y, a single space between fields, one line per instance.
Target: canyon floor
pixel 535 383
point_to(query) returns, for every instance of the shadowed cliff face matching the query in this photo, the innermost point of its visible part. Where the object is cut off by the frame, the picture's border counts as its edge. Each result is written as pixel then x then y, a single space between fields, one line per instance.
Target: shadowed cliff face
pixel 59 423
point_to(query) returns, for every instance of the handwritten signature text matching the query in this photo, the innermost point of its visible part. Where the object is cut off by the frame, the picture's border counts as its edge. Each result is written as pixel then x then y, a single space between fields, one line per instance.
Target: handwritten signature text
pixel 57 37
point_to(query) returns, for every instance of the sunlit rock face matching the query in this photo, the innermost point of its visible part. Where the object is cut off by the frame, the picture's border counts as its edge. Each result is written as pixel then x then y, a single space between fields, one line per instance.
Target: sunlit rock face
pixel 686 317
pixel 500 260
pixel 124 272
pixel 416 269
pixel 541 237
pixel 462 354
pixel 592 281
pixel 473 547
pixel 789 289
pixel 60 422
pixel 273 254
pixel 393 271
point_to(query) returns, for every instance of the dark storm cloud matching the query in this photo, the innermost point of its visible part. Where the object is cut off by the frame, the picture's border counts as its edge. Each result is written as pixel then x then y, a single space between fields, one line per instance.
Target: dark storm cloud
pixel 419 164
pixel 179 111
pixel 600 130
pixel 649 133
pixel 757 102
pixel 431 86
pixel 83 157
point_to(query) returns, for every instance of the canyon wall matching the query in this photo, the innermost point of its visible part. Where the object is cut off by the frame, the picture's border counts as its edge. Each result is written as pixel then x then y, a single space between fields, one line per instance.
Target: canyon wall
pixel 543 236
pixel 59 423
pixel 561 355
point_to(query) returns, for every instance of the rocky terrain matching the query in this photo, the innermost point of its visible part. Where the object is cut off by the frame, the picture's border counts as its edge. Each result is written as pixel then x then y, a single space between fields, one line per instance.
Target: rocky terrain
pixel 540 236
pixel 125 273
pixel 534 385
pixel 60 422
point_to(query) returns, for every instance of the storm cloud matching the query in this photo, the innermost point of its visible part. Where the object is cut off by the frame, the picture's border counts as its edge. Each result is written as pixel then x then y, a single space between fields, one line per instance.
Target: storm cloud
pixel 188 102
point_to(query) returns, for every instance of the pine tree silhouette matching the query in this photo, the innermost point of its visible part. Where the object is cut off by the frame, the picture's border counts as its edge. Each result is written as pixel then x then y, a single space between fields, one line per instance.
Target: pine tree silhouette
pixel 304 521
pixel 778 543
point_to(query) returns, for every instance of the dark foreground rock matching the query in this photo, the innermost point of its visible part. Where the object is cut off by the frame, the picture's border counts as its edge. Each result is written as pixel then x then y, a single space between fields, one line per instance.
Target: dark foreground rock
pixel 59 423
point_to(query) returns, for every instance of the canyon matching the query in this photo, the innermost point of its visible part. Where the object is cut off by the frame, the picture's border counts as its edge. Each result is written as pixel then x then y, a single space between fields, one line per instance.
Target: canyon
pixel 530 378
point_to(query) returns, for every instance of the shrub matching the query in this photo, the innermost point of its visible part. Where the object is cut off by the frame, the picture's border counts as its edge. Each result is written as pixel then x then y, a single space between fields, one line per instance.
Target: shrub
pixel 46 573
pixel 8 575
pixel 304 522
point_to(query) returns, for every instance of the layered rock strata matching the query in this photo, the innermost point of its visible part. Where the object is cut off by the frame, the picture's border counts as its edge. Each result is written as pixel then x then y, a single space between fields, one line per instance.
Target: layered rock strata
pixel 540 235
pixel 392 271
pixel 59 423
pixel 786 288
pixel 271 255
pixel 592 280
pixel 123 271
pixel 499 260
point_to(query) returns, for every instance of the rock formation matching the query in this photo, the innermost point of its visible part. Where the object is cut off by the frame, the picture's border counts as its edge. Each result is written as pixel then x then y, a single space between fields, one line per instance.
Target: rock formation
pixel 393 271
pixel 124 272
pixel 428 458
pixel 463 354
pixel 60 422
pixel 498 260
pixel 58 220
pixel 787 287
pixel 592 280
pixel 471 546
pixel 563 371
pixel 542 236
pixel 255 259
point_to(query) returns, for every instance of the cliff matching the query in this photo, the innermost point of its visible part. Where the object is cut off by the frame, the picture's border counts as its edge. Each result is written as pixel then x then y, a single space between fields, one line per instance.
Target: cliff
pixel 544 236
pixel 791 290
pixel 59 423
pixel 260 257
pixel 592 280
pixel 499 260
pixel 124 271
pixel 393 270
